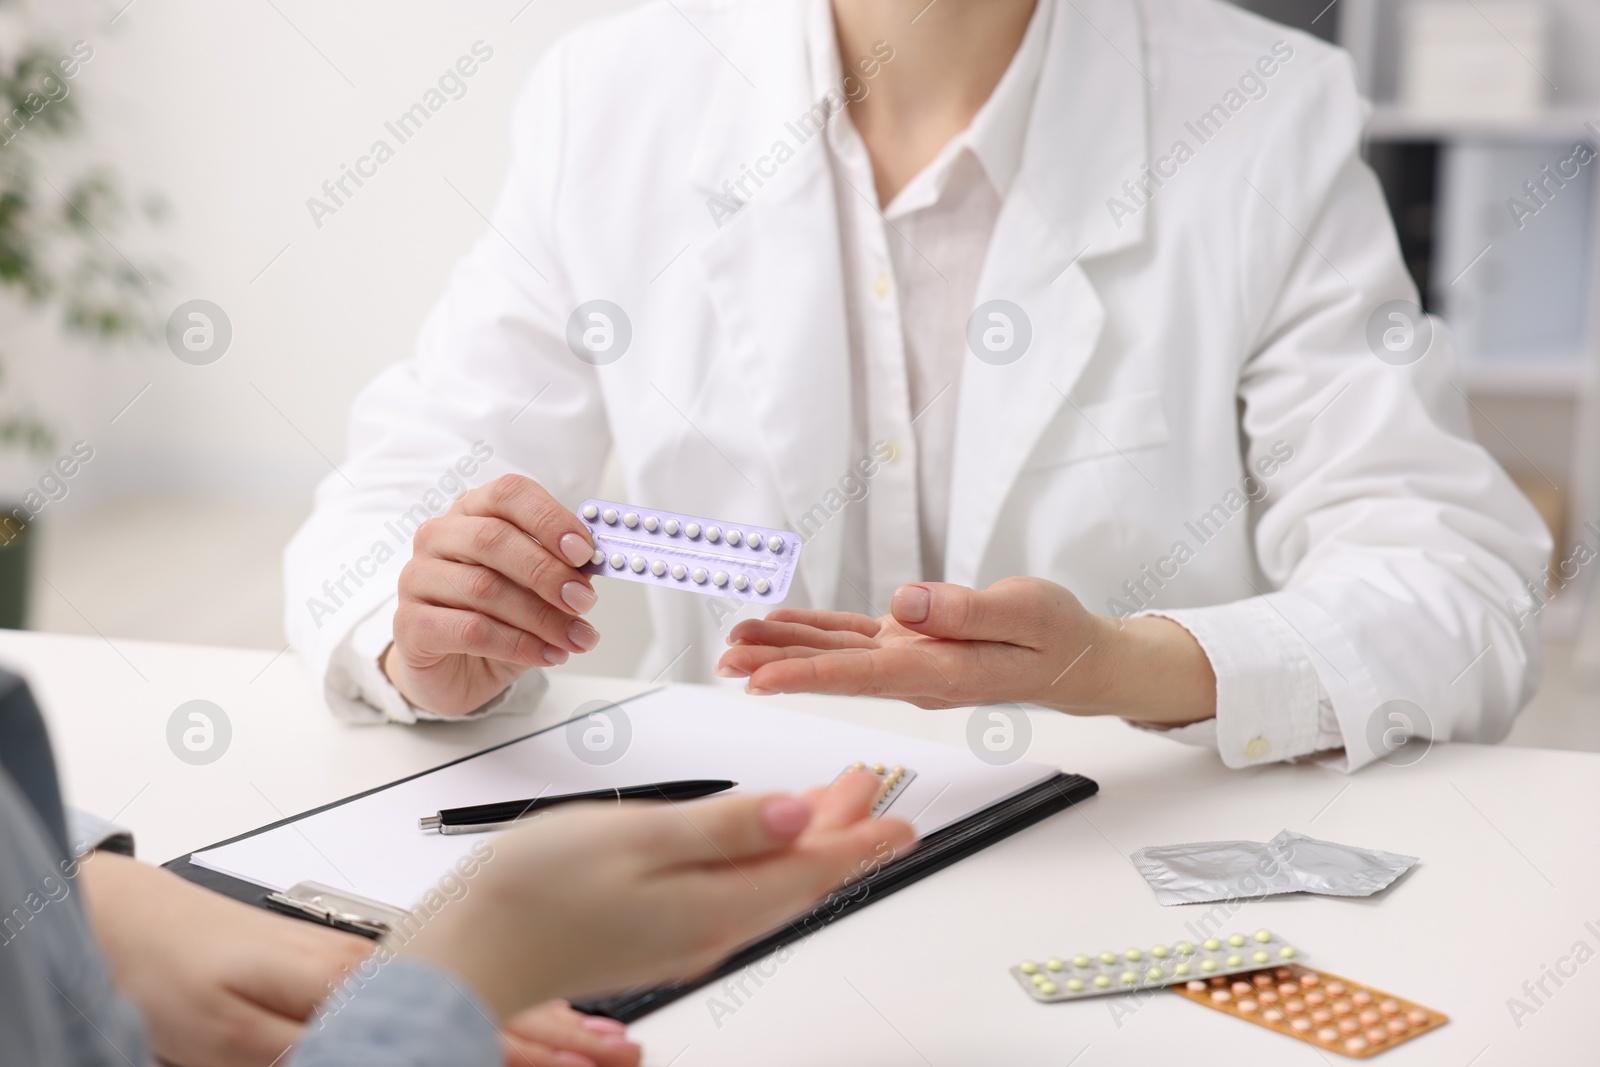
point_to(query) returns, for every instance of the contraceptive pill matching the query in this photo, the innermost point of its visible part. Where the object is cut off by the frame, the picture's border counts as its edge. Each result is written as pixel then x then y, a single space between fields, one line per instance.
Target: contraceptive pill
pixel 1163 965
pixel 707 556
pixel 1358 1022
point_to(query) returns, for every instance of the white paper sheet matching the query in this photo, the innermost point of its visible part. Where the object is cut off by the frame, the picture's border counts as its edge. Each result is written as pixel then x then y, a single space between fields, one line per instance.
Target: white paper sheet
pixel 372 846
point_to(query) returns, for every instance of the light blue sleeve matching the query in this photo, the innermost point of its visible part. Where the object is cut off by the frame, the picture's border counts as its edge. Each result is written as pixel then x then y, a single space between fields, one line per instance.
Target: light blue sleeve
pixel 407 1014
pixel 58 1005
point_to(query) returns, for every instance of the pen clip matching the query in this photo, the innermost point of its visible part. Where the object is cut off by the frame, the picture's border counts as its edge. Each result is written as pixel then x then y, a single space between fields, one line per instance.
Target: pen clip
pixel 482 827
pixel 435 822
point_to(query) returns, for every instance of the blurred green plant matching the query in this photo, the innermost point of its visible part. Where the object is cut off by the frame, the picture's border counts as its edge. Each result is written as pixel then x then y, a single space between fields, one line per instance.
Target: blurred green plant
pixel 56 255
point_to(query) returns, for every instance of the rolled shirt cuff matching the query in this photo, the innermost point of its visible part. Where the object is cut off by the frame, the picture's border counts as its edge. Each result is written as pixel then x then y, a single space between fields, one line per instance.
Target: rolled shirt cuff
pixel 1271 703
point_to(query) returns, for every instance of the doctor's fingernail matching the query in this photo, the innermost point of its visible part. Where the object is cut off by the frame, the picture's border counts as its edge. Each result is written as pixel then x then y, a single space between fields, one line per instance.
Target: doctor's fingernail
pixel 911 603
pixel 568 1058
pixel 756 692
pixel 731 672
pixel 555 656
pixel 576 549
pixel 578 597
pixel 582 634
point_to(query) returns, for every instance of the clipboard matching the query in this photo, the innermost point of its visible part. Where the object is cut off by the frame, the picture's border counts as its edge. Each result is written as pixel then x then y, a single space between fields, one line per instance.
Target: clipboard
pixel 1046 792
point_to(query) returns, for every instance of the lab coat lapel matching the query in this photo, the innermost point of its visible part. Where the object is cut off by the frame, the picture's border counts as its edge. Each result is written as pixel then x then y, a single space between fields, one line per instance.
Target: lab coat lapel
pixel 773 274
pixel 1086 136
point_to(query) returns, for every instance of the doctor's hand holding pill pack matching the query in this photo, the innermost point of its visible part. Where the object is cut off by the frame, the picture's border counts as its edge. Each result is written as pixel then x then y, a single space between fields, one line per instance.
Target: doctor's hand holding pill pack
pixel 1083 409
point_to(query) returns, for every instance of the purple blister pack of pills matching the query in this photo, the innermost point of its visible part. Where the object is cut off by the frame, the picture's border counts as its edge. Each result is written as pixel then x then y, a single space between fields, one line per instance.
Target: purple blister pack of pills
pixel 701 555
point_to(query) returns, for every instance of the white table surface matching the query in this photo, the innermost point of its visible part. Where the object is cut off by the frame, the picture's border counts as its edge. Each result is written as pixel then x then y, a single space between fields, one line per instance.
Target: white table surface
pixel 1508 840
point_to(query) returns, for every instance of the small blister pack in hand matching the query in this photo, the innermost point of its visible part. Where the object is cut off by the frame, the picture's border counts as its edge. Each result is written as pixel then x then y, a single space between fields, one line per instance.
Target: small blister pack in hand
pixel 893 782
pixel 701 555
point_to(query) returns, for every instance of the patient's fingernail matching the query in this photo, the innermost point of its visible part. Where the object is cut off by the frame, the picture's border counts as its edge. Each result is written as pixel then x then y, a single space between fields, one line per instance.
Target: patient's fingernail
pixel 599 1024
pixel 731 672
pixel 554 656
pixel 576 549
pixel 755 692
pixel 568 1058
pixel 578 597
pixel 785 816
pixel 582 634
pixel 911 603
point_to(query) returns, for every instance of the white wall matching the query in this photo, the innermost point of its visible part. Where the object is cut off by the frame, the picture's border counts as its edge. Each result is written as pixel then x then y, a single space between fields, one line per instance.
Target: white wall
pixel 235 117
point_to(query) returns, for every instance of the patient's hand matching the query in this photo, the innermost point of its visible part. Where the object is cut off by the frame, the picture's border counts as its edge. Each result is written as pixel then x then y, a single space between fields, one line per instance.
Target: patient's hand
pixel 552 1034
pixel 603 897
pixel 224 984
pixel 1022 640
pixel 219 983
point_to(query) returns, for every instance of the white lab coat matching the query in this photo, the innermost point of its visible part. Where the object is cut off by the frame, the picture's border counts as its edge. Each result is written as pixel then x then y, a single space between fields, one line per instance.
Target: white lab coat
pixel 1180 345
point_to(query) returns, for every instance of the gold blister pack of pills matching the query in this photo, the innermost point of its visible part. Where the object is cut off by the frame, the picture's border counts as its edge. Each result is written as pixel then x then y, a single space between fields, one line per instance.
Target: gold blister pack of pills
pixel 1320 1009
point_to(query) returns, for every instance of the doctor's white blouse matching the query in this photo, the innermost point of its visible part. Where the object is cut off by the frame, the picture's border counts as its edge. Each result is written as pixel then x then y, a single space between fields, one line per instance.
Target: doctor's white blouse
pixel 1169 192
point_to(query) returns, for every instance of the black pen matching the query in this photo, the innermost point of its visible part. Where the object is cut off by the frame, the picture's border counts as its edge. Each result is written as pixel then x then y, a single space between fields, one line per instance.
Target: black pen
pixel 482 818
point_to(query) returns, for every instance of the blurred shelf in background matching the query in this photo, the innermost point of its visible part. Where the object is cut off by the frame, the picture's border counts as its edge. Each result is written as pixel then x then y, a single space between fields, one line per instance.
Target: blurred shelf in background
pixel 1485 134
pixel 1558 378
pixel 1393 122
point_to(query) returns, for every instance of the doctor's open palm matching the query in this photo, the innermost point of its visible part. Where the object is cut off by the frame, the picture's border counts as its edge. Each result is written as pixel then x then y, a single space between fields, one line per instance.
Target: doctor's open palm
pixel 492 589
pixel 1022 640
pixel 941 646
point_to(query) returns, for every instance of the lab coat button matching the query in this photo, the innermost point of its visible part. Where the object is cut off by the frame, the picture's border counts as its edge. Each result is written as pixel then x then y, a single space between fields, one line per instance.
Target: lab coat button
pixel 880 286
pixel 1257 748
